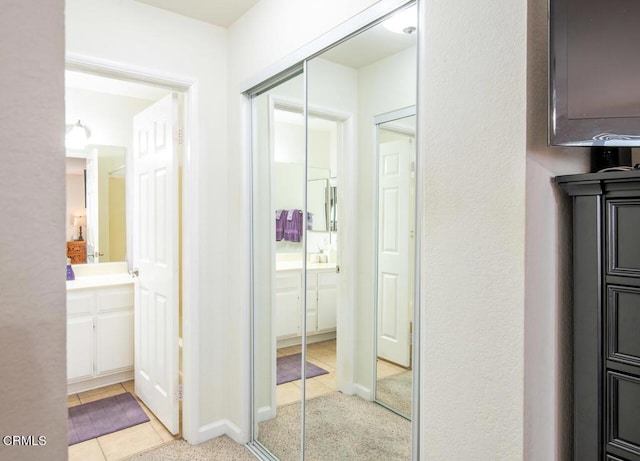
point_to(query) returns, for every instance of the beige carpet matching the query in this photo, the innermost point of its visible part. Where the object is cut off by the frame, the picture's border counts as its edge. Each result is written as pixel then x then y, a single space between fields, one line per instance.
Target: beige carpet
pixel 395 391
pixel 338 427
pixel 219 449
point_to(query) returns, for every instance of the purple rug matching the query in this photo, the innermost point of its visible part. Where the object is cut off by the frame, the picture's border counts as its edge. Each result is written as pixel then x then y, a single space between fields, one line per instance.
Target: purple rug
pixel 93 419
pixel 290 369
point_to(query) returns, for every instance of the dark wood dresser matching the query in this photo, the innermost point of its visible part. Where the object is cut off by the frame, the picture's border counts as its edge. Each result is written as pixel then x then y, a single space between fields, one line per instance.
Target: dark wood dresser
pixel 77 251
pixel 606 314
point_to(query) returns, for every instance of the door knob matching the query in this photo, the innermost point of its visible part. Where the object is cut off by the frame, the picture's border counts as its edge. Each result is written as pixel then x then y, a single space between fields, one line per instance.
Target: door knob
pixel 134 272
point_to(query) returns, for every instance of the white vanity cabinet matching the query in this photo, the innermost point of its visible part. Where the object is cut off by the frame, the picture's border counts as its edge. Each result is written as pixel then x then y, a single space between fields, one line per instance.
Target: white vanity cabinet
pixel 288 302
pixel 321 304
pixel 99 336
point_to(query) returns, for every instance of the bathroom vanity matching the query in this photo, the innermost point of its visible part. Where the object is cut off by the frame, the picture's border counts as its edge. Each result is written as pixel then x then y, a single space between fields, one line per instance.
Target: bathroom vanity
pixel 100 326
pixel 321 296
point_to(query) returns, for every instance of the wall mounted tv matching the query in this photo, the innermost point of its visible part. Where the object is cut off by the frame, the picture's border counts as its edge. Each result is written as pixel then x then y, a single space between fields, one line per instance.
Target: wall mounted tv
pixel 594 73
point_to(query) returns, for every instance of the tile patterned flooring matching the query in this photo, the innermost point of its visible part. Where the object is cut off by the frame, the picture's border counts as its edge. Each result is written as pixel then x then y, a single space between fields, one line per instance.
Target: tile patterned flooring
pixel 121 444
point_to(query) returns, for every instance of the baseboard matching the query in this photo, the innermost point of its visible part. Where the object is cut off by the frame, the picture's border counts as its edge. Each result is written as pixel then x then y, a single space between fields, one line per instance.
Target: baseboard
pixel 363 392
pixel 101 381
pixel 265 413
pixel 219 428
pixel 311 338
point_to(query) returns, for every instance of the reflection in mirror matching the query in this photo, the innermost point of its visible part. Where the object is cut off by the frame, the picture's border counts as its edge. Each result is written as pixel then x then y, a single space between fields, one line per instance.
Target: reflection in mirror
pixel 96 216
pixel 315 284
pixel 278 155
pixel 395 260
pixel 369 74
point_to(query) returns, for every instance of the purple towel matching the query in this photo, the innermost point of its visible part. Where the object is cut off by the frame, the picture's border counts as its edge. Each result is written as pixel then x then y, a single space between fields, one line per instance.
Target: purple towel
pixel 293 226
pixel 280 218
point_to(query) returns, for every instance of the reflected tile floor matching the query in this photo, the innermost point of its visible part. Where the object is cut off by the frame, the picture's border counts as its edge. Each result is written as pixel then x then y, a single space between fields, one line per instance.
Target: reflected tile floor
pixel 121 444
pixel 322 354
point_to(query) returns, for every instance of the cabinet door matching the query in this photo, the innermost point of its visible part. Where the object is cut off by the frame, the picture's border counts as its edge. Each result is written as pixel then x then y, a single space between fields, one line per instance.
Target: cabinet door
pixel 312 302
pixel 288 290
pixel 80 348
pixel 327 300
pixel 114 335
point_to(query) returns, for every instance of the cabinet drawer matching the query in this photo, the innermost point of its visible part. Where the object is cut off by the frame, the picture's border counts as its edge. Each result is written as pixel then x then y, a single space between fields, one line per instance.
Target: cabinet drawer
pixel 623 413
pixel 117 297
pixel 80 302
pixel 288 281
pixel 623 228
pixel 623 324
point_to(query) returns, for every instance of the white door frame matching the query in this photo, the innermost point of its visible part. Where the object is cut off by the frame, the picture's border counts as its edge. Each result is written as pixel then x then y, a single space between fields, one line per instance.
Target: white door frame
pixel 347 161
pixel 189 250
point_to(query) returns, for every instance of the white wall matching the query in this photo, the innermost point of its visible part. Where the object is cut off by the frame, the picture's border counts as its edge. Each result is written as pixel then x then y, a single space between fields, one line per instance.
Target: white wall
pixel 108 116
pixel 32 251
pixel 154 41
pixel 472 119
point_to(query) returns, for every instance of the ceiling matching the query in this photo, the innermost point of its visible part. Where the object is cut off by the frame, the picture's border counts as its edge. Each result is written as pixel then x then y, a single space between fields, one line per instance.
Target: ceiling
pixel 360 50
pixel 222 13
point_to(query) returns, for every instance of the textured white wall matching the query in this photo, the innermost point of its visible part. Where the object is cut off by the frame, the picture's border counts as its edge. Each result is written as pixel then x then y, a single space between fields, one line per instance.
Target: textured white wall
pixel 32 251
pixel 472 120
pixel 156 41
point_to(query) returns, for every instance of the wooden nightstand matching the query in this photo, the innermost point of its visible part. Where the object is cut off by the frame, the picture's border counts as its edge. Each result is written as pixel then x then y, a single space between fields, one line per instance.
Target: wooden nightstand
pixel 77 251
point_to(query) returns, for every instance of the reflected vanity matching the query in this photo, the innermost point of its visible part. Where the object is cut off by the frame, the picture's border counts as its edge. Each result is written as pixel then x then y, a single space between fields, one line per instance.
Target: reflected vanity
pixel 333 370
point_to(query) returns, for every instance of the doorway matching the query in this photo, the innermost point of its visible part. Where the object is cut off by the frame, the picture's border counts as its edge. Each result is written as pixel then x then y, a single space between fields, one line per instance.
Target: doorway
pixel 109 106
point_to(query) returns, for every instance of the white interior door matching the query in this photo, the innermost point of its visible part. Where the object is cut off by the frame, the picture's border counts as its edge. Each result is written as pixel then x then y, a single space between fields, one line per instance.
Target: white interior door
pixel 92 203
pixel 155 255
pixel 394 200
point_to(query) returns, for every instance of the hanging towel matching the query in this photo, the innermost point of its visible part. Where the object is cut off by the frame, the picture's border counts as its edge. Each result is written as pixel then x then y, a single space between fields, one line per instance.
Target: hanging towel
pixel 293 227
pixel 280 224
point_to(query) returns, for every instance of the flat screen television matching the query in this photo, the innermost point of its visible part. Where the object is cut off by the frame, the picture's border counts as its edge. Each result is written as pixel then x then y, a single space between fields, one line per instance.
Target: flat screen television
pixel 594 73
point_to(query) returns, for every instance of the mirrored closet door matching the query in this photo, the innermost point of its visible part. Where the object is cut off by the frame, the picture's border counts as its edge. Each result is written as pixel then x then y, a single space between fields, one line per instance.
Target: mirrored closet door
pixel 326 302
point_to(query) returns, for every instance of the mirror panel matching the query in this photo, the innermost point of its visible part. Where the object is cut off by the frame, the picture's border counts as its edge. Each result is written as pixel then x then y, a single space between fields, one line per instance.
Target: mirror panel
pixel 395 263
pixel 96 204
pixel 278 250
pixel 369 74
pixel 316 143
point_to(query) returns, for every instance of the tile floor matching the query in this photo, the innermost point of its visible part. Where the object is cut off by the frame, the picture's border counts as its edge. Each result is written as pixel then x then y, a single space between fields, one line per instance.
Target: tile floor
pixel 117 445
pixel 322 354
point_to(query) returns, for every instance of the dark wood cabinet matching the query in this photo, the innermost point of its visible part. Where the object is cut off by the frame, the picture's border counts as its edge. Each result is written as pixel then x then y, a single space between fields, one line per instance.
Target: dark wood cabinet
pixel 606 314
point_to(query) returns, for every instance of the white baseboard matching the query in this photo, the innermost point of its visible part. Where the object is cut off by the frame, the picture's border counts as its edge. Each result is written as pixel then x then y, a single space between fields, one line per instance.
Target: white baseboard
pixel 101 381
pixel 363 392
pixel 265 413
pixel 219 428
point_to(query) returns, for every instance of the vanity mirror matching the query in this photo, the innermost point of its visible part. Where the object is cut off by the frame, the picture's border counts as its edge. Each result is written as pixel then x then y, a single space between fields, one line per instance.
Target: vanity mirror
pixel 318 322
pixel 96 204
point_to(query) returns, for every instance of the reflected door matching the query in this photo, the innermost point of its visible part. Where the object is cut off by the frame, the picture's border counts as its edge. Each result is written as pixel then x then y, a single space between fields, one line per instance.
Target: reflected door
pixel 393 251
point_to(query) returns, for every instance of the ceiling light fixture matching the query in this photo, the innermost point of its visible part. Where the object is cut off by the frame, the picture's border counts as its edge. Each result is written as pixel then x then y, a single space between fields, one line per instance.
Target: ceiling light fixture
pixel 77 136
pixel 404 22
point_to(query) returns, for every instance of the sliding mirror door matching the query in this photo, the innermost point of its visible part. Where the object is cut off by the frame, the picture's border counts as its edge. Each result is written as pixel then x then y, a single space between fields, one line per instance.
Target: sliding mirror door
pixel 323 292
pixel 371 73
pixel 279 151
pixel 395 259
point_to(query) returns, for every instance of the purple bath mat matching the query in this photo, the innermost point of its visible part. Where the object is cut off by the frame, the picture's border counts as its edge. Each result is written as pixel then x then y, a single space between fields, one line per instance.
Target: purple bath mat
pixel 290 369
pixel 93 419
